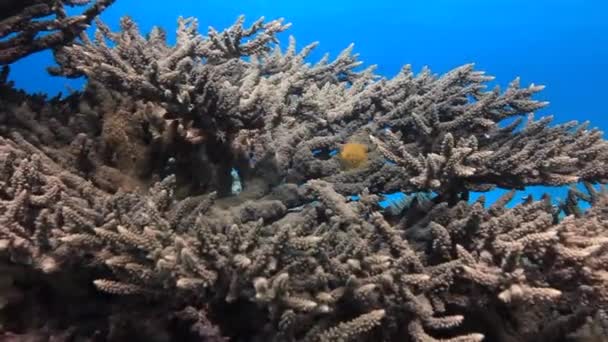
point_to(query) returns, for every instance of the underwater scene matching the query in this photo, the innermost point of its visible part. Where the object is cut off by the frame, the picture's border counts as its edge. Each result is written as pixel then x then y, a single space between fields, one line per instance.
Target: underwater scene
pixel 313 171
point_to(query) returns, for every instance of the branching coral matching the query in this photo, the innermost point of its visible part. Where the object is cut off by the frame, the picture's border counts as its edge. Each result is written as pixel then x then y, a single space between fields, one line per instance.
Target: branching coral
pixel 292 258
pixel 440 133
pixel 28 26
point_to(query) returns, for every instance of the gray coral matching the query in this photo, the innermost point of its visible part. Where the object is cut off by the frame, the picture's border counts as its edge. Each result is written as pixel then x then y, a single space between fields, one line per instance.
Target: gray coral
pixel 29 26
pixel 292 254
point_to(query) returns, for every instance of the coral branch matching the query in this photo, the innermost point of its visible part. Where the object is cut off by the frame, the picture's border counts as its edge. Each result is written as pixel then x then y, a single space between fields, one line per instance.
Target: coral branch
pixel 25 26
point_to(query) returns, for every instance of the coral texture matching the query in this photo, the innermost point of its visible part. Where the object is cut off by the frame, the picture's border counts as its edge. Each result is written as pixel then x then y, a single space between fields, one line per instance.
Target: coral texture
pixel 28 26
pixel 118 198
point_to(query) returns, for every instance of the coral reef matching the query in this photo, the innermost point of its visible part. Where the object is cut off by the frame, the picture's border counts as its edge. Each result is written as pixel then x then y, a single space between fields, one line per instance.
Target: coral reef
pixel 28 26
pixel 120 199
pixel 440 133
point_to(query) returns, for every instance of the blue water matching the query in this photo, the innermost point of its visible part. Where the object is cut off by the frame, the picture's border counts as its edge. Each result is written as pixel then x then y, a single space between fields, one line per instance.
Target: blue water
pixel 561 44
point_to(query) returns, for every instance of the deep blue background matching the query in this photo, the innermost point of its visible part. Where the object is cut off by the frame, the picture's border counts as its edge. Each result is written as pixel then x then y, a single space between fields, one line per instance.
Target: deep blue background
pixel 561 44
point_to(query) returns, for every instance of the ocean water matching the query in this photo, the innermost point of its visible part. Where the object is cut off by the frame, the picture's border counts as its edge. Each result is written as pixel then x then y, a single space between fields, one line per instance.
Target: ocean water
pixel 561 44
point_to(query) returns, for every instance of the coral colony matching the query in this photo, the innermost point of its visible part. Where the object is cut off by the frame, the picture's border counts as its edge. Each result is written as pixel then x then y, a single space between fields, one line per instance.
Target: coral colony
pixel 202 192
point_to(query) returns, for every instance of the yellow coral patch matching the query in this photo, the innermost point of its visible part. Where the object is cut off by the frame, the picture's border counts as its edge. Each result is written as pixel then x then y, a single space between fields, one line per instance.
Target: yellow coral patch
pixel 353 155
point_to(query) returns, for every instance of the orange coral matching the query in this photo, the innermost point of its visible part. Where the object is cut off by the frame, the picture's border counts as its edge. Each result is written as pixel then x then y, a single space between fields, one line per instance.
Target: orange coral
pixel 353 155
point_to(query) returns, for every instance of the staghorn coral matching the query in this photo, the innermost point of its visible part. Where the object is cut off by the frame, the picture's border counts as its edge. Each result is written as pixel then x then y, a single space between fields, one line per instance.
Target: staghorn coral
pixel 240 258
pixel 292 258
pixel 25 26
pixel 274 108
pixel 40 206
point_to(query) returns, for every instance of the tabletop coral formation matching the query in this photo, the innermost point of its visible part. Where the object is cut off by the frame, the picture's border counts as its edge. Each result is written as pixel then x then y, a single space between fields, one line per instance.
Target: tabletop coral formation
pixel 118 198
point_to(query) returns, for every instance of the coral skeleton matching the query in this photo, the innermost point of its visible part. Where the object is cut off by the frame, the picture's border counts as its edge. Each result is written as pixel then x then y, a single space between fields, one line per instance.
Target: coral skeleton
pixel 122 201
